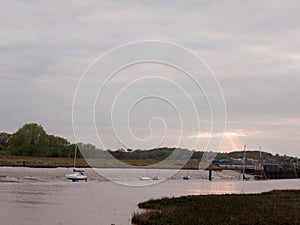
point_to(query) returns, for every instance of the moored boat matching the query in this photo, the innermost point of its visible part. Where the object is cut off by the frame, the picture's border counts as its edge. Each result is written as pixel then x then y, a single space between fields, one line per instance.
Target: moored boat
pixel 77 175
pixel 145 178
pixel 155 178
pixel 186 177
pixel 259 177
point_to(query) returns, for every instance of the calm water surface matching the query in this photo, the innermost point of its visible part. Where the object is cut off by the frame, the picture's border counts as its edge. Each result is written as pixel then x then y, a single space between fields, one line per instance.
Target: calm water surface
pixel 32 200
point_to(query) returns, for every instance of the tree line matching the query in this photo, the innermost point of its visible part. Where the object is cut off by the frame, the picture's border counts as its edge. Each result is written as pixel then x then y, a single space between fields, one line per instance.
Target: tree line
pixel 32 140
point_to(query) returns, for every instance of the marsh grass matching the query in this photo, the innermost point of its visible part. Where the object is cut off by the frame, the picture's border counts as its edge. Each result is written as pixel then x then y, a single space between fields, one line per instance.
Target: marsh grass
pixel 275 207
pixel 46 162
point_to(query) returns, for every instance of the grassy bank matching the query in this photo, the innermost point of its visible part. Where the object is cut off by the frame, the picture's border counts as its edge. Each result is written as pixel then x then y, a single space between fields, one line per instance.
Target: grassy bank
pixel 47 162
pixel 40 161
pixel 276 207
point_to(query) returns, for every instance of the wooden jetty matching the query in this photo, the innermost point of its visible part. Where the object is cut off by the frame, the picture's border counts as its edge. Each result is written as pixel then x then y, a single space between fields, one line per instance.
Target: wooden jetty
pixel 270 171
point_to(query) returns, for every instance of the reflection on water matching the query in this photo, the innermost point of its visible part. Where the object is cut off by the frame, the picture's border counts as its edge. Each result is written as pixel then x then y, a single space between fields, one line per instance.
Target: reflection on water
pixel 221 187
pixel 23 203
pixel 58 201
pixel 32 195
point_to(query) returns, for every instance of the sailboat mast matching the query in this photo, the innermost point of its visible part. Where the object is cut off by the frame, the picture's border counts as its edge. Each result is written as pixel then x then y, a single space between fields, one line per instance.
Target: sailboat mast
pixel 259 160
pixel 295 168
pixel 244 159
pixel 74 162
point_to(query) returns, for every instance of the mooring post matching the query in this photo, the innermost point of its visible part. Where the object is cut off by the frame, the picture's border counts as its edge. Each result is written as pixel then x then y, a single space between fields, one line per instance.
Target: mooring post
pixel 210 171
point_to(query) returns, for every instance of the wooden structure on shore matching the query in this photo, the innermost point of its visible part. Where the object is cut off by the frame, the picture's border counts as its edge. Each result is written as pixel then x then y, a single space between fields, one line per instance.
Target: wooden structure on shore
pixel 276 171
pixel 270 171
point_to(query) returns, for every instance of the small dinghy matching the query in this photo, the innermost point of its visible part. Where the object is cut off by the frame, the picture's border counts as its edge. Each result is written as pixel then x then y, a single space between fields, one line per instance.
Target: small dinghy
pixel 155 178
pixel 186 177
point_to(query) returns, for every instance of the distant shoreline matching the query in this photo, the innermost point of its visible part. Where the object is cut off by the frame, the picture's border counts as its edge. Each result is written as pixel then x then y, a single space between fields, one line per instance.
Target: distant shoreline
pixel 50 162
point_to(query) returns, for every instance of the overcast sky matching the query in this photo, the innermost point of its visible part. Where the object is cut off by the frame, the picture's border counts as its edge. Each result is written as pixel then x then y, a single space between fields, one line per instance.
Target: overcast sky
pixel 253 47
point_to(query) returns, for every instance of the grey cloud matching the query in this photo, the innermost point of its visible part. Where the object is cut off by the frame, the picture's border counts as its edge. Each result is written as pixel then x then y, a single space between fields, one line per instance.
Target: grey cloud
pixel 253 47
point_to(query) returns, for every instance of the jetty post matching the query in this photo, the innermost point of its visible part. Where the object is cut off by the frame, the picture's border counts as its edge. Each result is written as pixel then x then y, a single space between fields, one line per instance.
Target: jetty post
pixel 210 171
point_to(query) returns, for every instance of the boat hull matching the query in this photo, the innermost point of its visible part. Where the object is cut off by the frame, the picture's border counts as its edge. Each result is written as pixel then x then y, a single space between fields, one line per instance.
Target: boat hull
pixel 145 178
pixel 186 177
pixel 76 177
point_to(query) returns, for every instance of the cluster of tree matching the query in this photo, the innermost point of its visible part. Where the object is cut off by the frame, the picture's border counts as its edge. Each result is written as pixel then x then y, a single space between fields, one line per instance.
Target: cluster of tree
pixel 153 154
pixel 32 140
pixel 4 138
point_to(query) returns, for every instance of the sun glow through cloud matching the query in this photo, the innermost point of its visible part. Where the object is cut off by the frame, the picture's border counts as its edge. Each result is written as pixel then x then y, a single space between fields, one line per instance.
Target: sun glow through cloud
pixel 225 134
pixel 232 140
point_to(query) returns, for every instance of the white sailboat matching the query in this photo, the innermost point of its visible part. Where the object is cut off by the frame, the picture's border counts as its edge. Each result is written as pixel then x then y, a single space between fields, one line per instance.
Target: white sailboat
pixel 186 177
pixel 244 166
pixel 259 170
pixel 146 177
pixel 77 175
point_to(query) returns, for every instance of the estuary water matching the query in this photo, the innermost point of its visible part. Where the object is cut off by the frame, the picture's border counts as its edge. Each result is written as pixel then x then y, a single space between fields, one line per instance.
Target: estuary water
pixel 44 197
